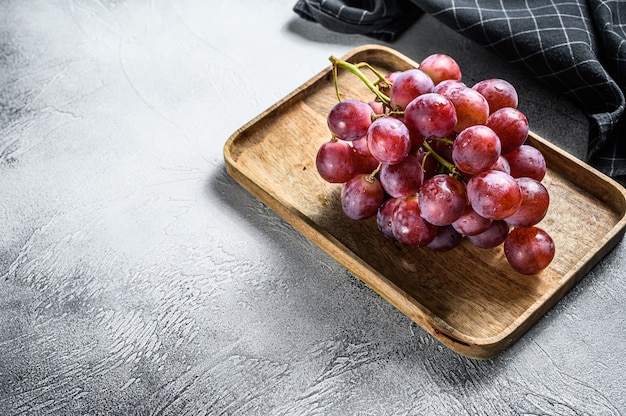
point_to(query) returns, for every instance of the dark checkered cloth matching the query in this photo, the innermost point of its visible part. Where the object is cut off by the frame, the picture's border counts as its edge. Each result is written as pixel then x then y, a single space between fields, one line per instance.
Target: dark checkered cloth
pixel 575 46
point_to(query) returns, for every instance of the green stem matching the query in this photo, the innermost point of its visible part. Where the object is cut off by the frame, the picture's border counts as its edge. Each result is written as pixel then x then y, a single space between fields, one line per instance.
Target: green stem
pixel 443 140
pixel 443 162
pixel 355 69
pixel 379 75
pixel 336 82
pixel 388 114
pixel 370 177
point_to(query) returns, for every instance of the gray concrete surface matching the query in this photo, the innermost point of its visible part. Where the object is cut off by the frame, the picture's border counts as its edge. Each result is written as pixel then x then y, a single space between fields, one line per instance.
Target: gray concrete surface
pixel 136 277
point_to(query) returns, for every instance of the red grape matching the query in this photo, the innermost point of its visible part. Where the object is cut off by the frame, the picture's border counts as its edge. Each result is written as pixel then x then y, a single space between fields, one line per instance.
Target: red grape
pixel 476 149
pixel 494 194
pixel 527 161
pixel 365 164
pixel 408 85
pixel 388 140
pixel 384 217
pixel 361 196
pixel 404 178
pixel 502 164
pixel 442 199
pixel 470 222
pixel 441 67
pixel 431 115
pixel 385 87
pixel 511 126
pixel 391 77
pixel 443 148
pixel 529 250
pixel 336 161
pixel 408 226
pixel 445 86
pixel 377 107
pixel 499 93
pixel 493 236
pixel 360 146
pixel 350 119
pixel 534 206
pixel 446 239
pixel 417 140
pixel 471 107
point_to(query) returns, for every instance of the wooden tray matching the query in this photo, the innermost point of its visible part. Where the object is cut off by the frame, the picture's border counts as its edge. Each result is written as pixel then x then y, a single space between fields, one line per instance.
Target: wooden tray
pixel 469 298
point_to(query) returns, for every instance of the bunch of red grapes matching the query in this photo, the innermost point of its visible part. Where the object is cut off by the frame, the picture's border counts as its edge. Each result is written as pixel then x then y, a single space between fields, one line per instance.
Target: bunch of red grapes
pixel 437 161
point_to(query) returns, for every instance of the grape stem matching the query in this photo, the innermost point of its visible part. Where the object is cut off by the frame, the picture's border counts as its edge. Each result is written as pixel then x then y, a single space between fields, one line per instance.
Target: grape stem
pixel 370 177
pixel 443 162
pixel 356 70
pixel 388 114
pixel 443 140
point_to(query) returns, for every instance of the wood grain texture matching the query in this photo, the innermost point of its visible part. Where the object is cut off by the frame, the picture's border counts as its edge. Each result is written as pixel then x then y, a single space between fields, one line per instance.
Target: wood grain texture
pixel 468 298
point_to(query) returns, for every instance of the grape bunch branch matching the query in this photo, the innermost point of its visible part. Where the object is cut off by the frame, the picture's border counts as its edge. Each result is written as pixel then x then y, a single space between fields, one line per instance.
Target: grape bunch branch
pixel 436 161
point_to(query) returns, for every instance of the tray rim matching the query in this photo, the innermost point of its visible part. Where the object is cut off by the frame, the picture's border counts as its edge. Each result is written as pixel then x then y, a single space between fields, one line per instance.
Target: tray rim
pixel 468 345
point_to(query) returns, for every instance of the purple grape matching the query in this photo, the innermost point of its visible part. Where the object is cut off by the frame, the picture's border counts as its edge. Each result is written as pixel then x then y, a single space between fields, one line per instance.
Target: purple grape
pixel 534 206
pixel 499 93
pixel 529 250
pixel 471 107
pixel 470 223
pixel 388 140
pixel 431 115
pixel 442 199
pixel 360 146
pixel 408 85
pixel 404 178
pixel 493 236
pixel 494 194
pixel 446 86
pixel 408 226
pixel 503 165
pixel 526 161
pixel 511 126
pixel 350 119
pixel 476 149
pixel 446 239
pixel 384 217
pixel 336 161
pixel 441 67
pixel 361 196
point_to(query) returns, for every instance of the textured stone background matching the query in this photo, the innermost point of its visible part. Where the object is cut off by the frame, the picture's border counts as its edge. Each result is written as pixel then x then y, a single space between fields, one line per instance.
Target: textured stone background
pixel 136 277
